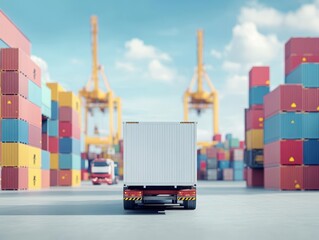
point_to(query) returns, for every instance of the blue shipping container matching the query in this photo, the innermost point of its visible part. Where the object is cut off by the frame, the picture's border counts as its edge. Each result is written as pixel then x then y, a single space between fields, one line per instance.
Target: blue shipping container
pixel 69 161
pixel 238 175
pixel 34 93
pixel 45 160
pixel 212 163
pixel 223 164
pixel 69 145
pixel 84 164
pixel 256 95
pixel 228 136
pixel 283 126
pixel 310 125
pixel 237 164
pixel 45 126
pixel 53 128
pixel 311 152
pixel 54 110
pixel 306 74
pixel 15 130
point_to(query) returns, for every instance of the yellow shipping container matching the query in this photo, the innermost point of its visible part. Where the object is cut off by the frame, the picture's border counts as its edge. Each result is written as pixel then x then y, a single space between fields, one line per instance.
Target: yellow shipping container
pixel 203 151
pixel 55 90
pixel 255 139
pixel 120 171
pixel 15 155
pixel 34 156
pixel 0 151
pixel 34 176
pixel 227 155
pixel 76 177
pixel 69 99
pixel 54 161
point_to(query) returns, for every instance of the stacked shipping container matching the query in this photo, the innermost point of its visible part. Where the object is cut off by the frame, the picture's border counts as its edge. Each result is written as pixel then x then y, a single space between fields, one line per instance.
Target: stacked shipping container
pixel 259 80
pixel 20 128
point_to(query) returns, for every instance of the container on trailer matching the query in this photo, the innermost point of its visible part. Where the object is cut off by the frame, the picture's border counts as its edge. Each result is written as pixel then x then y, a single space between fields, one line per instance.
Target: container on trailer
pixel 284 178
pixel 259 76
pixel 311 177
pixel 310 100
pixel 310 126
pixel 306 74
pixel 14 178
pixel 14 83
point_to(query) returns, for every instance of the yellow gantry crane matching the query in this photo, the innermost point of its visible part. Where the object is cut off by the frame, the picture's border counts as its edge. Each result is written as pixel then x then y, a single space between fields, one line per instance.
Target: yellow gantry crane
pixel 200 99
pixel 95 98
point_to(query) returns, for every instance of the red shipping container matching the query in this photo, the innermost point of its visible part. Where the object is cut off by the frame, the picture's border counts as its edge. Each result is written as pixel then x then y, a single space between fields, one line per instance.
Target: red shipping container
pixel 221 156
pixel 302 46
pixel 202 165
pixel 258 106
pixel 84 155
pixel 211 152
pixel 217 137
pixel 242 144
pixel 285 152
pixel 121 146
pixel 284 178
pixel 255 177
pixel 35 136
pixel 14 178
pixel 310 99
pixel 14 83
pixel 53 144
pixel 67 129
pixel 14 59
pixel 65 178
pixel 311 177
pixel 67 114
pixel 44 142
pixel 286 98
pixel 291 63
pixel 45 178
pixel 54 177
pixel 84 175
pixel 259 76
pixel 254 119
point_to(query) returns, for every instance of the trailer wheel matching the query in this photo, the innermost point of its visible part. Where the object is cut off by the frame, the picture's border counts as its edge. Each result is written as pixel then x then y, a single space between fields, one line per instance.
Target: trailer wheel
pixel 190 204
pixel 128 205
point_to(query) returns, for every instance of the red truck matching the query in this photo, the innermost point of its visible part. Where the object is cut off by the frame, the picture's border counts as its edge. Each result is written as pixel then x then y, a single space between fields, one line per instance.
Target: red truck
pixel 103 171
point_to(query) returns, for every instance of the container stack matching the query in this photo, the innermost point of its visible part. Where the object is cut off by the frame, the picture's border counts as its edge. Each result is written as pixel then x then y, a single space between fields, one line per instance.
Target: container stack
pixel 254 123
pixel 21 120
pixel 84 167
pixel 51 133
pixel 69 140
pixel 237 163
pixel 292 117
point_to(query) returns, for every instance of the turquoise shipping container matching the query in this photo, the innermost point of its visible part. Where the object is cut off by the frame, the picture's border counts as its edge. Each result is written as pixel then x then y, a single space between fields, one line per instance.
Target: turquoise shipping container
pixel 310 125
pixel 228 136
pixel 45 160
pixel 15 130
pixel 46 101
pixel 237 164
pixel 286 125
pixel 233 143
pixel 53 126
pixel 84 164
pixel 35 93
pixel 256 95
pixel 238 175
pixel 223 164
pixel 54 110
pixel 306 74
pixel 69 145
pixel 69 161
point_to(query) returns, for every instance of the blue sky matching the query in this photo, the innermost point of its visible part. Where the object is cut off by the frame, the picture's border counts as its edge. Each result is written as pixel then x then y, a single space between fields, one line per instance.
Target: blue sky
pixel 148 48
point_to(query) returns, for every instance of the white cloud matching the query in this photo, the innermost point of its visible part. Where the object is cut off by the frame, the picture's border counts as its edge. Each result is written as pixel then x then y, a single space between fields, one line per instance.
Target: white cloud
pixel 44 68
pixel 204 135
pixel 136 49
pixel 237 84
pixel 76 61
pixel 231 66
pixel 158 71
pixel 126 66
pixel 216 54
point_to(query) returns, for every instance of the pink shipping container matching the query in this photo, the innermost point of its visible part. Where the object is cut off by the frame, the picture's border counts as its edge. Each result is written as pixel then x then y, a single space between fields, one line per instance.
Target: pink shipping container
pixel 311 177
pixel 310 99
pixel 202 165
pixel 302 46
pixel 254 119
pixel 14 178
pixel 45 178
pixel 65 177
pixel 228 174
pixel 259 106
pixel 284 152
pixel 217 137
pixel 67 114
pixel 121 146
pixel 35 136
pixel 293 62
pixel 242 144
pixel 67 129
pixel 221 156
pixel 259 76
pixel 54 177
pixel 45 142
pixel 211 152
pixel 53 144
pixel 286 98
pixel 255 177
pixel 84 155
pixel 14 59
pixel 84 175
pixel 14 83
pixel 284 178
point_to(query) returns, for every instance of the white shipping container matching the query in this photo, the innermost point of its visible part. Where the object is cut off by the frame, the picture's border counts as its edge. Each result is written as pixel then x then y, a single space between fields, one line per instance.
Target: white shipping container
pixel 238 155
pixel 159 153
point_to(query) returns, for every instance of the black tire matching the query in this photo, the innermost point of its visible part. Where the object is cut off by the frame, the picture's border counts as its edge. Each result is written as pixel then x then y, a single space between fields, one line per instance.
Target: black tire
pixel 191 205
pixel 128 205
pixel 96 183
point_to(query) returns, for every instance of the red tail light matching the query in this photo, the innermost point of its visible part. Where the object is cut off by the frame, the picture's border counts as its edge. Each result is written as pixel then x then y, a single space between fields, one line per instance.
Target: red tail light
pixel 133 193
pixel 187 193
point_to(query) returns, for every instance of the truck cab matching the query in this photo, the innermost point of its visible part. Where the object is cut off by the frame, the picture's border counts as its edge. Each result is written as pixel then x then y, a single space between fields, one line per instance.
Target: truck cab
pixel 103 171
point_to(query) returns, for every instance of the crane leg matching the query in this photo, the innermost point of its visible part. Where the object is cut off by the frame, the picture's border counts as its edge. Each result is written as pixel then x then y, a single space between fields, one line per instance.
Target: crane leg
pixel 111 116
pixel 215 113
pixel 185 107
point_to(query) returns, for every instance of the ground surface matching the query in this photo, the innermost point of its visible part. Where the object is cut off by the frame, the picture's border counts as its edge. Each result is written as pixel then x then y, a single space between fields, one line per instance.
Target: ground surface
pixel 225 210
